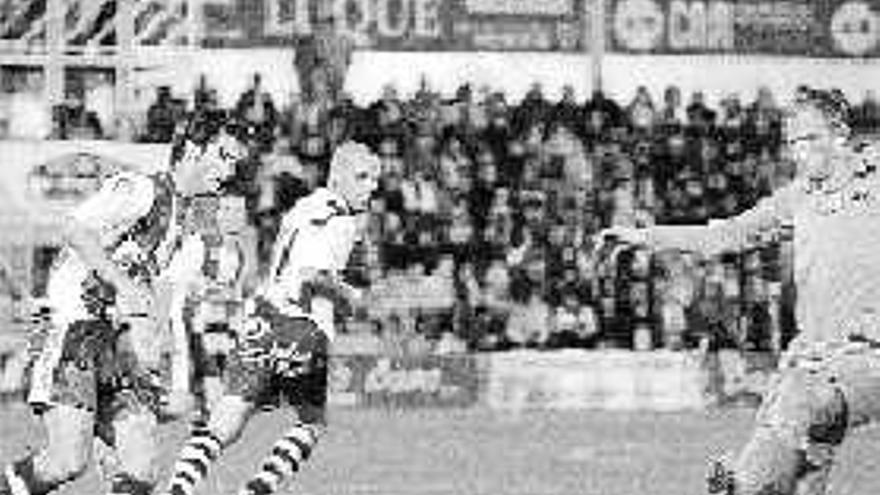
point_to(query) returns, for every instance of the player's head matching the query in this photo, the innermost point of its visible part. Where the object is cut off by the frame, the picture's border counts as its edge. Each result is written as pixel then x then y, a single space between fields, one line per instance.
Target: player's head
pixel 205 153
pixel 354 174
pixel 815 130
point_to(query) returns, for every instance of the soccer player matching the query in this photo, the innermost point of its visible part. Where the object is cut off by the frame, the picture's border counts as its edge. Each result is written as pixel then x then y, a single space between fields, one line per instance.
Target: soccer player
pixel 226 267
pixel 99 371
pixel 828 381
pixel 282 351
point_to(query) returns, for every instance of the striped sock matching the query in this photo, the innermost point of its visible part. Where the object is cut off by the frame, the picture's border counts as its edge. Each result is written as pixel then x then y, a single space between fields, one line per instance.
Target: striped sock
pixel 286 457
pixel 192 467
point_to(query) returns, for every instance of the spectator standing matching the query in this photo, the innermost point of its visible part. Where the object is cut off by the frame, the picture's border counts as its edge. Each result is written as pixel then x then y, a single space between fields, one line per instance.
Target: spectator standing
pixel 763 123
pixel 867 115
pixel 162 117
pixel 601 114
pixel 640 112
pixel 533 109
pixel 256 108
pixel 673 114
pixel 99 98
pixel 699 116
pixel 567 112
pixel 530 322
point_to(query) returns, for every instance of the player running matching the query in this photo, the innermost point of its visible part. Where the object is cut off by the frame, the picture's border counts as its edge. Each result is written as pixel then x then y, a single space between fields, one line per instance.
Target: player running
pixel 829 377
pixel 99 371
pixel 282 353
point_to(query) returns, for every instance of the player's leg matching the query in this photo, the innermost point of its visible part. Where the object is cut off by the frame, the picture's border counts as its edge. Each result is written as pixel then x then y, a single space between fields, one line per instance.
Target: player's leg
pixel 245 380
pixel 305 387
pixel 64 390
pixel 136 451
pixel 224 427
pixel 64 457
pixel 217 341
pixel 285 459
pixel 130 405
pixel 856 372
pixel 801 422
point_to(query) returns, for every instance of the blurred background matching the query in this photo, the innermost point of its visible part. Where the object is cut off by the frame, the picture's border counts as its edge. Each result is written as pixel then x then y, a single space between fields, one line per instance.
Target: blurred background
pixel 509 133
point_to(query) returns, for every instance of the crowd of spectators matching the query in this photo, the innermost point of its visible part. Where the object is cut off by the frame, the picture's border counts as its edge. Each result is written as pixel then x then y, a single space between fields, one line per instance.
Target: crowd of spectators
pixel 480 233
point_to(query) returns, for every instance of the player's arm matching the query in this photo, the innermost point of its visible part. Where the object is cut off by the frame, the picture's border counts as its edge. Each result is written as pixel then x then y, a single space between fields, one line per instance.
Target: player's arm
pixel 116 207
pixel 733 234
pixel 329 285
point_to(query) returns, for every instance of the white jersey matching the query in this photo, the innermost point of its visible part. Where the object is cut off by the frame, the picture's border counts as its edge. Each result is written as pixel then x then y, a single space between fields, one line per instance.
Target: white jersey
pixel 318 234
pixel 836 250
pixel 121 202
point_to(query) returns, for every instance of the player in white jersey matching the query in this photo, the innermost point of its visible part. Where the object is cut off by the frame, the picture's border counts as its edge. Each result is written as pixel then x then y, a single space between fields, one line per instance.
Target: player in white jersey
pixel 99 370
pixel 282 353
pixel 829 377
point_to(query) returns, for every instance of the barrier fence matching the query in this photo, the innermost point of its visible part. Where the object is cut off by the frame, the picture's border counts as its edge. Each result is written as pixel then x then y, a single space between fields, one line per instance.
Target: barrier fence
pixel 521 380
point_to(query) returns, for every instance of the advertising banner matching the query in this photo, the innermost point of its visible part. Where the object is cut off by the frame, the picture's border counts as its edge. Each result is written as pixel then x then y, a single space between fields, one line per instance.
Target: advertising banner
pixel 601 380
pixel 809 28
pixel 458 25
pixel 404 382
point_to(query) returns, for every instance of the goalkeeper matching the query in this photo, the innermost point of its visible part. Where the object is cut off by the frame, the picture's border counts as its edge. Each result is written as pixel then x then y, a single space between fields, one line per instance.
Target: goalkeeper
pixel 829 377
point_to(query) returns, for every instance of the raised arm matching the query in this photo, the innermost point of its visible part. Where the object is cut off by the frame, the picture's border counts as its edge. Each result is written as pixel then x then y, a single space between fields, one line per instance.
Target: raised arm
pixel 732 234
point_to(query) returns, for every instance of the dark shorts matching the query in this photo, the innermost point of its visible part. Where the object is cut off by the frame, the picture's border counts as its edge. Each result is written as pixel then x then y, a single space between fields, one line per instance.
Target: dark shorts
pixel 214 346
pixel 97 371
pixel 281 360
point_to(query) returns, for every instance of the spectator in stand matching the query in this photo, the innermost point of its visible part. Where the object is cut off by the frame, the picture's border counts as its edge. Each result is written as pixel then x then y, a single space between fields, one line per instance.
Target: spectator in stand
pixel 866 116
pixel 530 323
pixel 477 112
pixel 673 114
pixel 419 195
pixel 640 112
pixel 498 132
pixel 162 117
pixel 699 116
pixel 204 97
pixel 256 108
pixel 732 117
pixel 533 109
pixel 388 112
pixel 763 123
pixel 500 223
pixel 460 235
pixel 99 98
pixel 391 190
pixel 467 299
pixel 455 166
pixel 440 294
pixel 601 114
pixel 74 121
pixel 623 204
pixel 482 195
pixel 575 324
pixel 497 301
pixel 567 112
